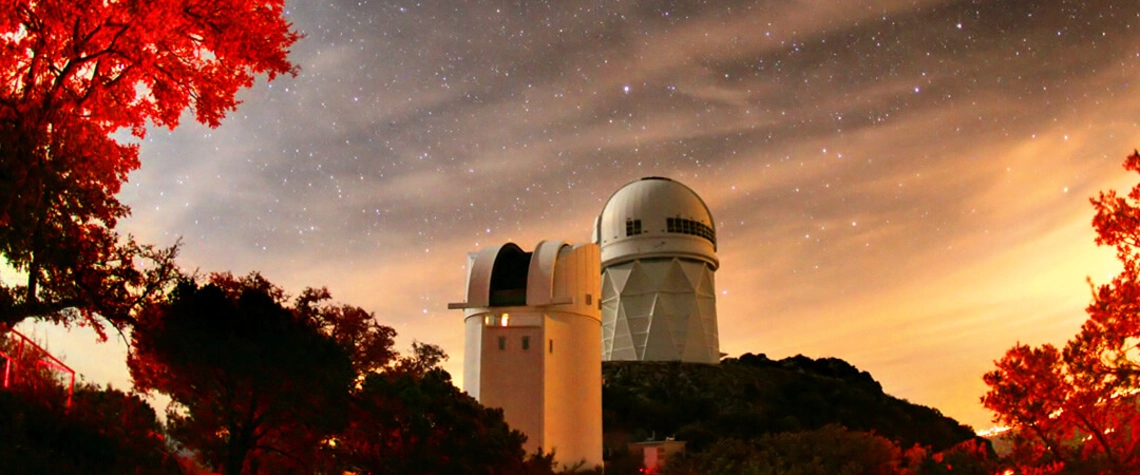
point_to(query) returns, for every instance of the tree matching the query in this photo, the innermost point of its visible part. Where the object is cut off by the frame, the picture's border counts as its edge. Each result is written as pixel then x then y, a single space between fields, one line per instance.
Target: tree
pixel 262 386
pixel 1076 407
pixel 369 344
pixel 827 450
pixel 45 428
pixel 412 419
pixel 72 73
pixel 256 386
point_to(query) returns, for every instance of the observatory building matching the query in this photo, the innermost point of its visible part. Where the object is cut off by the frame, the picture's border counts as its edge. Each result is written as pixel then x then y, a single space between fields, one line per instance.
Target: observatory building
pixel 532 347
pixel 658 252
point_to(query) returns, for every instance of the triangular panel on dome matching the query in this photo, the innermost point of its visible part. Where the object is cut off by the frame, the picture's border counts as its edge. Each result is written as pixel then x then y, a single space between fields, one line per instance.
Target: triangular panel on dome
pixel 655 269
pixel 698 348
pixel 637 317
pixel 680 303
pixel 638 304
pixel 706 306
pixel 706 286
pixel 678 324
pixel 610 305
pixel 693 271
pixel 621 346
pixel 637 282
pixel 614 278
pixel 660 345
pixel 681 308
pixel 639 334
pixel 609 323
pixel 674 278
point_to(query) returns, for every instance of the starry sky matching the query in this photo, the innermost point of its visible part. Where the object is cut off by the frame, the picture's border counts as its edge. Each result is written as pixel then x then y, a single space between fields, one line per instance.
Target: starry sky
pixel 900 184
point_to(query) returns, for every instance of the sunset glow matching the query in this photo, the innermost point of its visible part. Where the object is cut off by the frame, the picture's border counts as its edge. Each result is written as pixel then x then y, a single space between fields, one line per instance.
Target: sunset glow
pixel 900 184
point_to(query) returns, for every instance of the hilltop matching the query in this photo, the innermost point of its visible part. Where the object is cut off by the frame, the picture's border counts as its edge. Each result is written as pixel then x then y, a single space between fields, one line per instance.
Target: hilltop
pixel 750 396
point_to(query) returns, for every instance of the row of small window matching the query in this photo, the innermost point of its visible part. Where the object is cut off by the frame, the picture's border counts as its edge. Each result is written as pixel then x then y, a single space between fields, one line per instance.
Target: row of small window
pixel 688 226
pixel 675 225
pixel 525 343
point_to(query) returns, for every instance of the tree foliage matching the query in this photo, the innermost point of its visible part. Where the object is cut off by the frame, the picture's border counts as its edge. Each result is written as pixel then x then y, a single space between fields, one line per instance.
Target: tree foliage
pixel 828 450
pixel 260 385
pixel 1075 408
pixel 101 431
pixel 419 422
pixel 832 449
pixel 254 385
pixel 74 72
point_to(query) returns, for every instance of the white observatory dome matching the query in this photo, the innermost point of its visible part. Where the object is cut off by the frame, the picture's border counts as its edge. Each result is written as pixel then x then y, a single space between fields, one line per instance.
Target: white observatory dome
pixel 655 217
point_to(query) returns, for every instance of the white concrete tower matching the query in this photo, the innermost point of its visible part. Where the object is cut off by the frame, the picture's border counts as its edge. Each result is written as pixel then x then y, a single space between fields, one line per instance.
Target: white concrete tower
pixel 532 324
pixel 658 249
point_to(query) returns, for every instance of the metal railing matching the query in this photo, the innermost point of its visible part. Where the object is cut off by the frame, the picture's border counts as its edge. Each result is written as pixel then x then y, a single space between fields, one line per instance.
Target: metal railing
pixel 35 354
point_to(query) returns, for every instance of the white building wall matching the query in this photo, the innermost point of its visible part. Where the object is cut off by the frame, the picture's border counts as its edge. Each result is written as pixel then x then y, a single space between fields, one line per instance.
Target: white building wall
pixel 658 251
pixel 513 379
pixel 659 309
pixel 574 364
pixel 551 391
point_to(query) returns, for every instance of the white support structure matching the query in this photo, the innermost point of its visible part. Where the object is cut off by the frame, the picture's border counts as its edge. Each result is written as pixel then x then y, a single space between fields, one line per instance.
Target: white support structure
pixel 532 323
pixel 658 251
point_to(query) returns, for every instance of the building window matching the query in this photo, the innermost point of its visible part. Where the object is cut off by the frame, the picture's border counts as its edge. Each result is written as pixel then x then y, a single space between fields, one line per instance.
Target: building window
pixel 502 343
pixel 552 346
pixel 500 320
pixel 632 227
pixel 589 299
pixel 526 342
pixel 690 227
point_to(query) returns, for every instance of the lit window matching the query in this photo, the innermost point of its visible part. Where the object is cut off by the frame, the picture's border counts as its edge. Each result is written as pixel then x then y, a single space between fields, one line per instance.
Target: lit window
pixel 500 320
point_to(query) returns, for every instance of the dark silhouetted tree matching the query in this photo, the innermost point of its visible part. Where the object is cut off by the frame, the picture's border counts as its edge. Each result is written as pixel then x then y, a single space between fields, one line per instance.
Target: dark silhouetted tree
pixel 102 431
pixel 261 386
pixel 74 72
pixel 828 450
pixel 1076 407
pixel 412 419
pixel 256 387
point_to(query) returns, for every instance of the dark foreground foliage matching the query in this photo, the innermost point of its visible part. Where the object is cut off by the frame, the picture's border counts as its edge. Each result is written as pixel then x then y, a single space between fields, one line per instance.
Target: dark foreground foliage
pixel 262 385
pixel 105 431
pixel 832 450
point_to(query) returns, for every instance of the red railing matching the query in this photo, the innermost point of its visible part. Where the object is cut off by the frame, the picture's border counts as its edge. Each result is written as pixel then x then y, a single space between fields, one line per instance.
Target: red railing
pixel 35 354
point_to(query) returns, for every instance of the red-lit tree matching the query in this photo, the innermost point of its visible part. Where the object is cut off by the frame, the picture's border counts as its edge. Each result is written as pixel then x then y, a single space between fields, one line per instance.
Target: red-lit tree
pixel 1077 407
pixel 72 73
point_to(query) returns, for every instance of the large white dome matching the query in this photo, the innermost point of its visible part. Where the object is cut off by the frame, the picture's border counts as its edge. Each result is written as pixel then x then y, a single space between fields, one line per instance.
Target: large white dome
pixel 655 217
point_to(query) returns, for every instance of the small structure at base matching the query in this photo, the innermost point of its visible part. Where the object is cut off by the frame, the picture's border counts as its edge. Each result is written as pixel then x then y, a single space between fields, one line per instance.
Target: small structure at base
pixel 532 348
pixel 656 453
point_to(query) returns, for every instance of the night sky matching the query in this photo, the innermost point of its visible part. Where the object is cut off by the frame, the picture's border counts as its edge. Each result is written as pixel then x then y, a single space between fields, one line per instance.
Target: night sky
pixel 900 184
